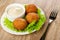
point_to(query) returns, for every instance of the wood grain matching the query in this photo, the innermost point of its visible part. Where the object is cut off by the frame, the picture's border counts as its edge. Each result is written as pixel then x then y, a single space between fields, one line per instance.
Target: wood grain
pixel 54 29
pixel 34 36
pixel 46 5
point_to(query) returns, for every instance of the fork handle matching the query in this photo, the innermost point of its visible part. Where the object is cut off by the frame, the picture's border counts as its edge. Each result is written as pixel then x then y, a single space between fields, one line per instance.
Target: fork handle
pixel 50 21
pixel 44 35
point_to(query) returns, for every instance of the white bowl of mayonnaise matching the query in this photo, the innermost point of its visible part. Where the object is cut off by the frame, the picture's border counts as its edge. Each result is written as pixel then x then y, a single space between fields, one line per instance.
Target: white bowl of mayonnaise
pixel 14 11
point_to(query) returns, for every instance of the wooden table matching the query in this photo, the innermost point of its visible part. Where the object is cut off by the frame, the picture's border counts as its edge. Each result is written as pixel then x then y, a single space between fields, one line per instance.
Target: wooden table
pixel 46 5
pixel 54 29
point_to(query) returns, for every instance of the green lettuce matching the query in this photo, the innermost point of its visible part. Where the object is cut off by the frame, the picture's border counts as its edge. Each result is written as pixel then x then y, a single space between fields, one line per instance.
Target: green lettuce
pixel 30 27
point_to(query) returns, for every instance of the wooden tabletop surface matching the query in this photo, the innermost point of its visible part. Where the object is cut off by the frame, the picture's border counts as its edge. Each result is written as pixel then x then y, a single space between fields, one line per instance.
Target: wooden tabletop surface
pixel 47 6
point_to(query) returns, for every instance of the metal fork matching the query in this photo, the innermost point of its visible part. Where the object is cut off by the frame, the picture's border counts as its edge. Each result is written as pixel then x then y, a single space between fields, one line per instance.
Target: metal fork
pixel 52 17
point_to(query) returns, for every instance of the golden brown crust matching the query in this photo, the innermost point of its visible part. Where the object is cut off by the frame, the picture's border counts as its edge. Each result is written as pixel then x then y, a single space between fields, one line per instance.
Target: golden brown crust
pixel 20 23
pixel 31 8
pixel 31 17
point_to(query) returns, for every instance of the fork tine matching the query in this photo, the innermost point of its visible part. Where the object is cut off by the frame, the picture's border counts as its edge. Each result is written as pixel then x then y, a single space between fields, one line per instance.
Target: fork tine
pixel 52 17
pixel 53 14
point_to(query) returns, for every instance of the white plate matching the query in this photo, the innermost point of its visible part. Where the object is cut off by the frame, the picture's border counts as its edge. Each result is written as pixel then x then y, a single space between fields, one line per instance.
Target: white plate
pixel 13 32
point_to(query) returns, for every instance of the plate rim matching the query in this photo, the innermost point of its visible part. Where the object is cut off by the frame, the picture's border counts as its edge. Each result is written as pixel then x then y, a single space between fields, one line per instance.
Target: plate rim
pixel 16 33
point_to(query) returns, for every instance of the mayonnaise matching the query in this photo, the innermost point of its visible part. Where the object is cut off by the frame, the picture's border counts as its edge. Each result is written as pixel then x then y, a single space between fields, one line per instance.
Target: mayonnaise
pixel 14 11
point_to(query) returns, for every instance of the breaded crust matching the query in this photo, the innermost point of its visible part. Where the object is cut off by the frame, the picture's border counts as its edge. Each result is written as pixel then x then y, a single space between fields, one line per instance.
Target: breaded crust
pixel 31 17
pixel 20 23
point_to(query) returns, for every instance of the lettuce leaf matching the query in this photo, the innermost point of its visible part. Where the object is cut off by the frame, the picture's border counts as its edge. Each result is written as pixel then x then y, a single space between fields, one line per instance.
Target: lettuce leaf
pixel 30 27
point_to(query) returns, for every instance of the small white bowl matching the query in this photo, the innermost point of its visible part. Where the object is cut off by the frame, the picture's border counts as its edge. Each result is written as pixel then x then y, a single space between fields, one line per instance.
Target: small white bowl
pixel 14 32
pixel 11 18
